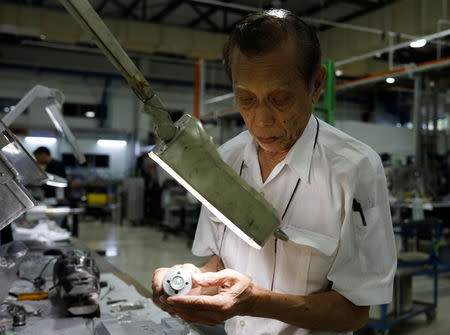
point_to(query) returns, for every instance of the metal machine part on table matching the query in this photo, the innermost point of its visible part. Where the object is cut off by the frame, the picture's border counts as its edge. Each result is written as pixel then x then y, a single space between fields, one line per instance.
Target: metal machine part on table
pixel 176 282
pixel 77 279
pixel 11 256
pixel 16 312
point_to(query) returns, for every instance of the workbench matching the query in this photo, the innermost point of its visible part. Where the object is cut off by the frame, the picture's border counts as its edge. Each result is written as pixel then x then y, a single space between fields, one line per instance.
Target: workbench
pixel 51 319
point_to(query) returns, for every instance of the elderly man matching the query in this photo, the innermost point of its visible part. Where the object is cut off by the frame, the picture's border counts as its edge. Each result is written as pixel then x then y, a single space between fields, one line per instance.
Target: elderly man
pixel 329 189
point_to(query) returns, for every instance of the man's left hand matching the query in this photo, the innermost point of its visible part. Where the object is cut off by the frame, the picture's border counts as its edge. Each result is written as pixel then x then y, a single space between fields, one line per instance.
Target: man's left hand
pixel 234 297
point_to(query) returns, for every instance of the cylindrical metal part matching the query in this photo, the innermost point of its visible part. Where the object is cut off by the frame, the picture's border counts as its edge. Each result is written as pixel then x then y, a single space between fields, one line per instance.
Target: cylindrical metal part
pixel 176 282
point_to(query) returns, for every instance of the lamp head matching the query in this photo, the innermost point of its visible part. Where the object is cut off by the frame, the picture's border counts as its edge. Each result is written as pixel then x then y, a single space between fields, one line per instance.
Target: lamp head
pixel 192 159
pixel 17 169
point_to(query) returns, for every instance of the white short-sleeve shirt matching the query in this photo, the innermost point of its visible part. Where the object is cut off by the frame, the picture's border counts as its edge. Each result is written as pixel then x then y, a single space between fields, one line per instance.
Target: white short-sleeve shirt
pixel 338 223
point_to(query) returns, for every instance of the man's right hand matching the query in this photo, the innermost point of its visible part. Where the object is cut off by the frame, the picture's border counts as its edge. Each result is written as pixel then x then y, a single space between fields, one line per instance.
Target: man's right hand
pixel 159 298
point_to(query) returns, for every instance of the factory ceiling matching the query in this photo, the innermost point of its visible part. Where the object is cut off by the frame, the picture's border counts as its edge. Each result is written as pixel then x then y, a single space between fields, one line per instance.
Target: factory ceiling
pixel 218 16
pixel 198 28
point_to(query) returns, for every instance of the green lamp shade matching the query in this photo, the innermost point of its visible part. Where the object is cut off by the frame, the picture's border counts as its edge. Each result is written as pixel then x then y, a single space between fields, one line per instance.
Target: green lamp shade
pixel 192 159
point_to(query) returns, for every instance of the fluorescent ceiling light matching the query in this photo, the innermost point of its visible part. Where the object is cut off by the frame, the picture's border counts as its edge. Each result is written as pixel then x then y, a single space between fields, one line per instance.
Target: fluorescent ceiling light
pixel 111 252
pixel 205 202
pixel 418 43
pixel 90 114
pixel 40 140
pixel 390 80
pixel 112 143
pixel 339 73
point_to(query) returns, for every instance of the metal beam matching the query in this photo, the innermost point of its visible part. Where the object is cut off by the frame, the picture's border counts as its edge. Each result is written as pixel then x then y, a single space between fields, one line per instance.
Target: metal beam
pixel 363 11
pixel 359 3
pixel 237 8
pixel 122 6
pixel 174 4
pixel 316 9
pixel 203 16
pixel 130 8
pixel 224 19
pixel 101 6
pixel 396 73
pixel 144 10
pixel 231 26
pixel 390 49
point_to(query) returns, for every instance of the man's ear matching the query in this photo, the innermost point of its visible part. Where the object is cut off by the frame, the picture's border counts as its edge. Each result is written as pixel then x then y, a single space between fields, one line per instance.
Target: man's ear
pixel 317 84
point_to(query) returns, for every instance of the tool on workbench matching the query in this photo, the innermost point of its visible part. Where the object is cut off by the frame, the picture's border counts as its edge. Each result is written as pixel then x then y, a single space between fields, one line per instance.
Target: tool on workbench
pixel 111 302
pixel 32 296
pixel 108 291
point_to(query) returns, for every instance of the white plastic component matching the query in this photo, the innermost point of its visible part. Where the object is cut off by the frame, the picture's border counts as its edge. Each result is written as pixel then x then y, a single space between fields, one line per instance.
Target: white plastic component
pixel 177 281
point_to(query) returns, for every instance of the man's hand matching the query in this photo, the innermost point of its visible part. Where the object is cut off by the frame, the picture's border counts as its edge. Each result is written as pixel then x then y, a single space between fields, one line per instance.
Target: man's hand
pixel 234 297
pixel 157 286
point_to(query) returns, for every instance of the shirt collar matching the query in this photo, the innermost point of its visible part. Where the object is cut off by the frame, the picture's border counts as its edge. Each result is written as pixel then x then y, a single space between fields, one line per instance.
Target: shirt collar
pixel 298 158
pixel 250 152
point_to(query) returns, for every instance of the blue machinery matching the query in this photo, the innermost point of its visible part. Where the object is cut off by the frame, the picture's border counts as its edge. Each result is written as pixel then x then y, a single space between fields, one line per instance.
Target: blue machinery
pixel 428 230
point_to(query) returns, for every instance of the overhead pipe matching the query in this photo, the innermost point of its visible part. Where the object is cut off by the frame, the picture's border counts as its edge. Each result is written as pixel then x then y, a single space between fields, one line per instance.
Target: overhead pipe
pixel 133 54
pixel 390 48
pixel 399 72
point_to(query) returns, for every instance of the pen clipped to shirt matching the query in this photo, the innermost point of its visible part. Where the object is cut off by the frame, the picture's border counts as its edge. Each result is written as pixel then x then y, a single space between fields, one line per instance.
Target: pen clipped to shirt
pixel 357 208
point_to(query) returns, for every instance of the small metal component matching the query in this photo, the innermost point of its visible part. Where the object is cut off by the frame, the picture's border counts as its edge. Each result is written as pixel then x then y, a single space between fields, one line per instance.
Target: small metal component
pixel 177 281
pixel 19 319
pixel 18 314
pixel 108 291
pixel 77 280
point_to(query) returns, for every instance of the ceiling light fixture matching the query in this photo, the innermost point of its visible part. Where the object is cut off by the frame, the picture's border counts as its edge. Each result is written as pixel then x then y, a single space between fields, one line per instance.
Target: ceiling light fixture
pixel 40 140
pixel 418 43
pixel 112 143
pixel 390 80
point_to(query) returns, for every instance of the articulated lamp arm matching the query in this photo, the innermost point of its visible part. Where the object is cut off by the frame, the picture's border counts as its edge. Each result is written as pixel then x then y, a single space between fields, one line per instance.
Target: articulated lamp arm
pixel 187 151
pixel 53 109
pixel 37 91
pixel 89 20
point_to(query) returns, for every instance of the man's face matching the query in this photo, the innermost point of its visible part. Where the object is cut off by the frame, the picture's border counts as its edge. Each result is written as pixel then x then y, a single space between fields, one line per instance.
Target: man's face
pixel 42 159
pixel 272 97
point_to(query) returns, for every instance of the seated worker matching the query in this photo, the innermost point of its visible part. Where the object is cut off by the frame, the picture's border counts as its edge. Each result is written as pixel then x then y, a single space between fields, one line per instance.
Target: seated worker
pixel 329 188
pixel 50 165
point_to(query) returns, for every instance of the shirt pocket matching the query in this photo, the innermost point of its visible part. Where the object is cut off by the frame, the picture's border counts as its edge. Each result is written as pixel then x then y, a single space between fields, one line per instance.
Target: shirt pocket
pixel 304 261
pixel 369 240
pixel 324 243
